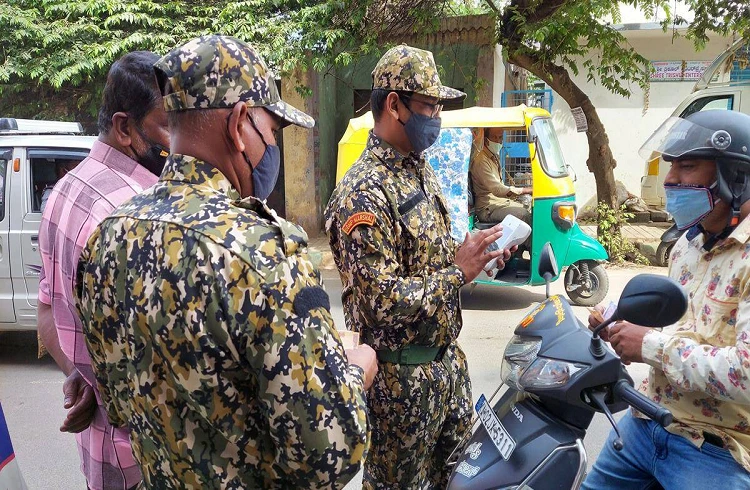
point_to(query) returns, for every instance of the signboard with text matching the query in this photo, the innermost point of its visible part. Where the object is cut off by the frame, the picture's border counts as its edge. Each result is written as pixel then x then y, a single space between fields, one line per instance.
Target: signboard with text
pixel 678 71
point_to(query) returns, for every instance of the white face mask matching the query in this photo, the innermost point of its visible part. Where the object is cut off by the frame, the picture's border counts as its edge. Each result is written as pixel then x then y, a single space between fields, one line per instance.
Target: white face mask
pixel 494 147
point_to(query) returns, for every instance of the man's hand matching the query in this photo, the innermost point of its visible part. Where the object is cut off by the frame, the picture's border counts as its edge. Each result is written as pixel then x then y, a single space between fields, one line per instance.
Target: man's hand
pixel 500 264
pixel 595 319
pixel 526 190
pixel 364 356
pixel 80 401
pixel 627 340
pixel 471 257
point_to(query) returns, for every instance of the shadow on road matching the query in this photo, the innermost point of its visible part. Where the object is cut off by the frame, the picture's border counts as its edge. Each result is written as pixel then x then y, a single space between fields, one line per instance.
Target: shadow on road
pixel 19 348
pixel 498 298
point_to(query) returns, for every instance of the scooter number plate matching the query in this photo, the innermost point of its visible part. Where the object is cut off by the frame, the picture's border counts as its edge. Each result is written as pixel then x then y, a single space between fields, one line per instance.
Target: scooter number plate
pixel 500 437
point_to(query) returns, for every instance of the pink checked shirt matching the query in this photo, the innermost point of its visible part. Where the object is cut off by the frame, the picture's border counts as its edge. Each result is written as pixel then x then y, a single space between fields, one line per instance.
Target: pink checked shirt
pixel 78 203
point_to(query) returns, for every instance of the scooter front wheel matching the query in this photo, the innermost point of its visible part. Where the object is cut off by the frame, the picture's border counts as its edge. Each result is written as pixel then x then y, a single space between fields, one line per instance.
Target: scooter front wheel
pixel 586 283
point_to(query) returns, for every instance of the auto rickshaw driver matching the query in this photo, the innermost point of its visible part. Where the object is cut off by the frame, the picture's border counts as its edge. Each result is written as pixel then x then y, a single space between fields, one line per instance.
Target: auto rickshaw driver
pixel 493 198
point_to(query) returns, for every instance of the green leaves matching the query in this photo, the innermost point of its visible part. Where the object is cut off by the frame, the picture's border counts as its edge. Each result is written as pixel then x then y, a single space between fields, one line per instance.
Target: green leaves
pixel 610 223
pixel 61 49
pixel 578 35
pixel 70 44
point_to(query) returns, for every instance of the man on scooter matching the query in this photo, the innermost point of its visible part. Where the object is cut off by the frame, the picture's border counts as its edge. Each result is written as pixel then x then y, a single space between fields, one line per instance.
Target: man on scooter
pixel 699 366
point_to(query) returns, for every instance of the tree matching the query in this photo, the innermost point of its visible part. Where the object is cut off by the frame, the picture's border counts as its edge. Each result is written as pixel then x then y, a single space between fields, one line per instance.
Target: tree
pixel 554 38
pixel 55 53
pixel 550 37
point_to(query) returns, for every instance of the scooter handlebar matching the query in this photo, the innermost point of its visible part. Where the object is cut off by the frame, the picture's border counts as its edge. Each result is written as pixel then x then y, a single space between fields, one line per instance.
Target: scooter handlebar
pixel 643 404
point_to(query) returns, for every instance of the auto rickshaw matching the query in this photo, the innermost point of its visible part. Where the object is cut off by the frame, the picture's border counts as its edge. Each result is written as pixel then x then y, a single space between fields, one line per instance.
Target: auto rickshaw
pixel 530 156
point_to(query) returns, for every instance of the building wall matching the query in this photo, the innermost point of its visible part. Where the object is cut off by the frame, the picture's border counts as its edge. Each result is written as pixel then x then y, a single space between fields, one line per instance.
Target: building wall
pixel 629 121
pixel 300 149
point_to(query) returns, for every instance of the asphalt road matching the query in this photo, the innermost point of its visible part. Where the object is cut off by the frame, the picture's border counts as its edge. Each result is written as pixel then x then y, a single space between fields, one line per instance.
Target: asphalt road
pixel 30 389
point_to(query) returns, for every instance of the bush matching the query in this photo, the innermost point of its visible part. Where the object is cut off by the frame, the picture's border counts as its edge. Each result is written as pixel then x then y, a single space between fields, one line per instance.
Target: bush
pixel 619 248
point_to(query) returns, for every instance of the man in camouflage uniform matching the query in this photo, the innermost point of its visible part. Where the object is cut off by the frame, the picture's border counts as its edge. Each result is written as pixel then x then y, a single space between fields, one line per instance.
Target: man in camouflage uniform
pixel 390 235
pixel 209 330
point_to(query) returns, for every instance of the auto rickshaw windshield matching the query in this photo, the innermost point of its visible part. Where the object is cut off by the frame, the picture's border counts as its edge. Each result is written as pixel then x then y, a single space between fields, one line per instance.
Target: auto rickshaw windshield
pixel 552 159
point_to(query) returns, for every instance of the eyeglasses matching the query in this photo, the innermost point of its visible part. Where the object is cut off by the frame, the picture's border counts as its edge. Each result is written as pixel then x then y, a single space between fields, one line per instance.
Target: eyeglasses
pixel 275 132
pixel 407 99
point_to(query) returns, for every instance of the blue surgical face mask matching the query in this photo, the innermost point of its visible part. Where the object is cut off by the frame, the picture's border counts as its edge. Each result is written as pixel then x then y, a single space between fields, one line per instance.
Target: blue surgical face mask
pixel 688 205
pixel 422 131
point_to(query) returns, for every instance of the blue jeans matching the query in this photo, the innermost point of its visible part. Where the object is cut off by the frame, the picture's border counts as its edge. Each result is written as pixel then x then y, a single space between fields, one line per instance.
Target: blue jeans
pixel 654 458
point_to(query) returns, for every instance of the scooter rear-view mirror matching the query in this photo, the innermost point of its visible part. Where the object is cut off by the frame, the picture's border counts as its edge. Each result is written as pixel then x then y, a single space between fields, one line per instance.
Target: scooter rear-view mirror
pixel 648 300
pixel 547 262
pixel 547 265
pixel 652 301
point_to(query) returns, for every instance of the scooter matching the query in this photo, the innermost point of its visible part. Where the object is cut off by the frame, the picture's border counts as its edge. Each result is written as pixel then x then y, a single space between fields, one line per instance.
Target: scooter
pixel 559 374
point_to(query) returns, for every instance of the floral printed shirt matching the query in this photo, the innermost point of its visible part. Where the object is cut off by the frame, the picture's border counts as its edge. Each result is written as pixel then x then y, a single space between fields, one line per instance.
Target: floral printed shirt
pixel 701 365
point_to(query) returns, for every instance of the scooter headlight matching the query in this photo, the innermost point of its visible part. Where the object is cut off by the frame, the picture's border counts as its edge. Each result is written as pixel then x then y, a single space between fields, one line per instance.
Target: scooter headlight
pixel 519 355
pixel 522 369
pixel 549 373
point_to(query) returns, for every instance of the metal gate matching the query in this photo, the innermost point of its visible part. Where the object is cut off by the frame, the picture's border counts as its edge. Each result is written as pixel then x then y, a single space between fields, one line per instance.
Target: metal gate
pixel 515 161
pixel 541 98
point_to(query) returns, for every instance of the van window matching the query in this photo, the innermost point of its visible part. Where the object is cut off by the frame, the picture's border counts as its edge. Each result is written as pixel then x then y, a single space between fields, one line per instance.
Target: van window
pixel 5 156
pixel 724 102
pixel 47 167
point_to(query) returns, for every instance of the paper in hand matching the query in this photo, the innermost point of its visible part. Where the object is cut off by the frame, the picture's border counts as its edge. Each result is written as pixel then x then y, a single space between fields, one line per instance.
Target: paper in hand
pixel 603 316
pixel 349 339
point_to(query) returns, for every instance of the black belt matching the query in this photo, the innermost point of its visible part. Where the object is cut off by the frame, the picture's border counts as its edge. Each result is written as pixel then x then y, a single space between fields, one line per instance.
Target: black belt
pixel 412 354
pixel 713 439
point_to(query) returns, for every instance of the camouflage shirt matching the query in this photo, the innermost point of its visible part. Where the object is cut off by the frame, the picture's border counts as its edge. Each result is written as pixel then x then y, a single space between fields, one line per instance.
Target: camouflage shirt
pixel 211 338
pixel 389 231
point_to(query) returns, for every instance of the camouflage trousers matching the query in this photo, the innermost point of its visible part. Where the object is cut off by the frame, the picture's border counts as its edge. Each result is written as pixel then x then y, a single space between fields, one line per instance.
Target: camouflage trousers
pixel 417 414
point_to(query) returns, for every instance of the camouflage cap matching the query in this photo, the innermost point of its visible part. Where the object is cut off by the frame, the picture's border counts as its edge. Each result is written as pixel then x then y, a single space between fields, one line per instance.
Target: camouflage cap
pixel 218 72
pixel 409 69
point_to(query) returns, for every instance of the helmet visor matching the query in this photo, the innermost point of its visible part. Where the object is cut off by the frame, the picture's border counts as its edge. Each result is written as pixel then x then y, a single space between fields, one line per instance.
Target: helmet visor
pixel 677 137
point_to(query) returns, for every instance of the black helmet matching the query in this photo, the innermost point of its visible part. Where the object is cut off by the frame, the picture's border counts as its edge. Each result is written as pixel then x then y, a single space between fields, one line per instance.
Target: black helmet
pixel 721 136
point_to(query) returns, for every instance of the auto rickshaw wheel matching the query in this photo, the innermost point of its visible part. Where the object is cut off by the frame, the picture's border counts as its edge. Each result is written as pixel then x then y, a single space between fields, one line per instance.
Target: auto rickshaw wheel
pixel 586 283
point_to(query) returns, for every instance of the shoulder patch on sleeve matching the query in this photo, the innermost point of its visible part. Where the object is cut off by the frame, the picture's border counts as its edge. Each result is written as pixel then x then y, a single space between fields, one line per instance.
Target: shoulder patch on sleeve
pixel 309 298
pixel 361 218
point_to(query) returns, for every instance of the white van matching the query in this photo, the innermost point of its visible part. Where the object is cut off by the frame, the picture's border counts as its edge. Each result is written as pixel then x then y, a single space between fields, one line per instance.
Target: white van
pixel 725 85
pixel 30 154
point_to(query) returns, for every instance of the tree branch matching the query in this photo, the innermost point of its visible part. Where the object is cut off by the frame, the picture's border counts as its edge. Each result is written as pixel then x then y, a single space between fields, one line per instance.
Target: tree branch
pixel 492 6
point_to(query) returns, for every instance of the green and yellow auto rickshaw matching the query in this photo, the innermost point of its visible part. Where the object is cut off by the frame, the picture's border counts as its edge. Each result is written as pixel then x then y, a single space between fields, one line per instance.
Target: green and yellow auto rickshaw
pixel 529 156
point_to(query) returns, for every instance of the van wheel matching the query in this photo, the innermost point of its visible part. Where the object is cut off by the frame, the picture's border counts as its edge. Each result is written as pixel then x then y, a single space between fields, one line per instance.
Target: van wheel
pixel 663 251
pixel 586 283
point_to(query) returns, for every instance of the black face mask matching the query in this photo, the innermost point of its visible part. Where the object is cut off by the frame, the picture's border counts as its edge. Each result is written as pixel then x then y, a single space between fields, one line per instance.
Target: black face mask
pixel 421 131
pixel 155 157
pixel 266 172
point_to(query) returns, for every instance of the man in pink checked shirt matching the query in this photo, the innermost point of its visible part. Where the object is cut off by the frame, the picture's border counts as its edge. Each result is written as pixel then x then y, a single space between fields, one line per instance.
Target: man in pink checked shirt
pixel 126 159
